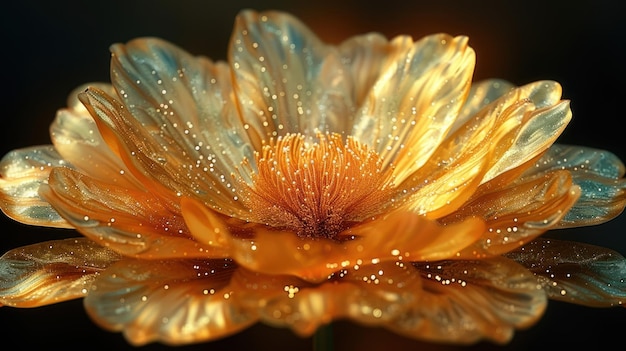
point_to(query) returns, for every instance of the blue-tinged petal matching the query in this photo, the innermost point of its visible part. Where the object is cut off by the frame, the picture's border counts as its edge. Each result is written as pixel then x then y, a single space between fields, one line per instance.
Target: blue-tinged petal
pixel 22 172
pixel 160 161
pixel 76 138
pixel 480 95
pixel 576 272
pixel 600 175
pixel 365 57
pixel 416 99
pixel 185 106
pixel 51 272
pixel 173 302
pixel 286 80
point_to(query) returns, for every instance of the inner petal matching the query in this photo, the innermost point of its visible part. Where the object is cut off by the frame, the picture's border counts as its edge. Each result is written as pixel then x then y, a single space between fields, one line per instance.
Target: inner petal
pixel 317 188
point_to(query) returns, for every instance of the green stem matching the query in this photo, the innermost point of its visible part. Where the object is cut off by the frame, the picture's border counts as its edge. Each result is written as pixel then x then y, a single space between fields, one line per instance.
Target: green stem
pixel 323 338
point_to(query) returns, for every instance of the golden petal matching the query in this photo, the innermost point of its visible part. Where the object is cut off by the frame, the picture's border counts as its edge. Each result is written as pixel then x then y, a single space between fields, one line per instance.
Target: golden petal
pixel 450 301
pixel 186 104
pixel 416 100
pixel 127 221
pixel 76 138
pixel 51 272
pixel 286 80
pixel 465 301
pixel 173 302
pixel 159 161
pixel 364 56
pixel 473 153
pixel 519 212
pixel 268 251
pixel 22 172
pixel 540 131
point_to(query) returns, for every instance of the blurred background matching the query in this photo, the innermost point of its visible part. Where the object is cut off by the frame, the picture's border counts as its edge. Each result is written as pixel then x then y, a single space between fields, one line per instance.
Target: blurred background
pixel 49 48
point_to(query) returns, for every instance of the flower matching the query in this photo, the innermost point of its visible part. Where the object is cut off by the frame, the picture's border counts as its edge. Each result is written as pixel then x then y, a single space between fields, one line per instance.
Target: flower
pixel 300 183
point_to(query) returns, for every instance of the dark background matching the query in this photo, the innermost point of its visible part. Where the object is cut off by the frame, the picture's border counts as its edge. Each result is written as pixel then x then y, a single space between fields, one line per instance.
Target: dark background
pixel 49 48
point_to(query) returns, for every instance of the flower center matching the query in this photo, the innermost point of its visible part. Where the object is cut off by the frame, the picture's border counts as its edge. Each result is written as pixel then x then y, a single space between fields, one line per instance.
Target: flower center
pixel 318 188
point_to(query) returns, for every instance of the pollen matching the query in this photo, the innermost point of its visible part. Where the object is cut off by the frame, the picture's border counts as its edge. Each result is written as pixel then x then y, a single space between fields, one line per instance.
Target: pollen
pixel 317 187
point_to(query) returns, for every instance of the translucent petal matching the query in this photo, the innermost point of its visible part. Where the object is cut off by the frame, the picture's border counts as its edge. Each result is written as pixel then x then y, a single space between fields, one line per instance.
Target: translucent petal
pixel 286 79
pixel 51 272
pixel 186 105
pixel 539 132
pixel 365 57
pixel 158 161
pixel 76 138
pixel 450 301
pixel 22 172
pixel 458 165
pixel 128 221
pixel 416 99
pixel 576 272
pixel 518 212
pixel 600 176
pixel 465 301
pixel 371 294
pixel 401 234
pixel 480 95
pixel 172 302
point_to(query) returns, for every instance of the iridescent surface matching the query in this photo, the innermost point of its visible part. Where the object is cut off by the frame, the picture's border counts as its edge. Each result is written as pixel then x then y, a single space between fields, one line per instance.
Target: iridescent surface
pixel 419 196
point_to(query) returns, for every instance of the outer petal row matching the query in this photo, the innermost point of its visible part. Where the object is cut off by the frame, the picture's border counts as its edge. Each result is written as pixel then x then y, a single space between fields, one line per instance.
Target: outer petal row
pixel 190 301
pixel 51 272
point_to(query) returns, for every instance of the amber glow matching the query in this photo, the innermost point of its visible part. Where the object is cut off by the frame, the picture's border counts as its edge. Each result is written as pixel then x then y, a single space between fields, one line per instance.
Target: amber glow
pixel 317 188
pixel 301 183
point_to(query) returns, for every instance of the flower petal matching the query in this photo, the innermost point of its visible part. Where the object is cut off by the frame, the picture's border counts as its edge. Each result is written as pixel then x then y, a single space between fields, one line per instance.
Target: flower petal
pixel 22 172
pixel 540 131
pixel 465 301
pixel 458 166
pixel 600 175
pixel 365 57
pixel 416 100
pixel 51 272
pixel 173 302
pixel 159 161
pixel 269 251
pixel 286 79
pixel 76 138
pixel 480 95
pixel 518 212
pixel 186 104
pixel 576 272
pixel 128 221
pixel 449 301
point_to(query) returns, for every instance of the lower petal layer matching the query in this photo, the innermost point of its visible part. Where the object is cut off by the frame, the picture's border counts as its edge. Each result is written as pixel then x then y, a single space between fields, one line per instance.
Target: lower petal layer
pixel 51 272
pixel 576 272
pixel 450 301
pixel 174 302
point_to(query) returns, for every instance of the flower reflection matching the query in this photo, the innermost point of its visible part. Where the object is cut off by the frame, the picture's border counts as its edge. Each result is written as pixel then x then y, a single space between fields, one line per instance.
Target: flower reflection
pixel 300 183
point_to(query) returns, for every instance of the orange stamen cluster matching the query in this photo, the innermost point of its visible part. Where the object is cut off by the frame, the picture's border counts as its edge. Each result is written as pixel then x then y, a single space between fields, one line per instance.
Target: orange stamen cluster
pixel 317 188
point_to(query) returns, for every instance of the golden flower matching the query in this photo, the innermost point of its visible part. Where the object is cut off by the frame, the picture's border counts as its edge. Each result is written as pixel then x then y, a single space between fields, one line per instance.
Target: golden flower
pixel 300 183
